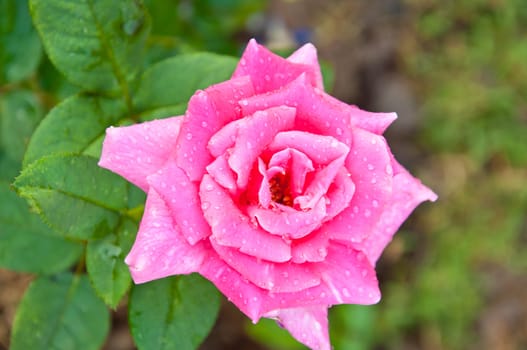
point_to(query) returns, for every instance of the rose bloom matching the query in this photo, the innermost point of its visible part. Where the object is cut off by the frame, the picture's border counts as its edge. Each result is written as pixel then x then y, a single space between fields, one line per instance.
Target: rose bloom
pixel 281 195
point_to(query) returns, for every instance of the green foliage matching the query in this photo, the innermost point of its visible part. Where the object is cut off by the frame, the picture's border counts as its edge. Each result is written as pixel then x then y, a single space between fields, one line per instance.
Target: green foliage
pixel 20 47
pixel 97 72
pixel 105 262
pixel 60 312
pixel 173 313
pixel 97 45
pixel 74 196
pixel 26 244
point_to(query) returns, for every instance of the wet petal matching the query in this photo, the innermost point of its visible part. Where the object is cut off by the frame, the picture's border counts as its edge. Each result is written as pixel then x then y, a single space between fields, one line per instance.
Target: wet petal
pixel 269 71
pixel 136 151
pixel 221 172
pixel 347 278
pixel 307 55
pixel 275 277
pixel 160 249
pixel 298 165
pixel 320 183
pixel 320 149
pixel 339 194
pixel 312 248
pixel 207 112
pixel 247 297
pixel 308 325
pixel 287 222
pixel 367 163
pixel 181 196
pixel 231 228
pixel 254 134
pixel 316 113
pixel 408 193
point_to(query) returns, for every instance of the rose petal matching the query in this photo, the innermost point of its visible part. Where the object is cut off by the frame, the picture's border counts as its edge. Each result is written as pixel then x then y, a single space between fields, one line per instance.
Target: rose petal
pixel 160 249
pixel 298 165
pixel 339 194
pixel 312 248
pixel 275 277
pixel 308 325
pixel 408 193
pixel 375 122
pixel 347 278
pixel 254 134
pixel 230 227
pixel 288 222
pixel 367 163
pixel 136 151
pixel 221 172
pixel 247 297
pixel 319 149
pixel 181 196
pixel 269 71
pixel 315 111
pixel 319 185
pixel 307 55
pixel 207 112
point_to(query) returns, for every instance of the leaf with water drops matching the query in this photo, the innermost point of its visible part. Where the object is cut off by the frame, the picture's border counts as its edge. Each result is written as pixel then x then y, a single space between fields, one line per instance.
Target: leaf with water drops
pixel 76 197
pixel 105 263
pixel 97 45
pixel 171 82
pixel 74 126
pixel 60 312
pixel 173 313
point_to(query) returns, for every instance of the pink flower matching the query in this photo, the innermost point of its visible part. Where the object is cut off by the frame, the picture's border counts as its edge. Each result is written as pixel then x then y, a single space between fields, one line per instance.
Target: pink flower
pixel 281 195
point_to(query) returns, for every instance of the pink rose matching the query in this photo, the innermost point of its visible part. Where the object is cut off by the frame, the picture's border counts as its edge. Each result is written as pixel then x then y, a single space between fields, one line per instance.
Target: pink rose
pixel 281 195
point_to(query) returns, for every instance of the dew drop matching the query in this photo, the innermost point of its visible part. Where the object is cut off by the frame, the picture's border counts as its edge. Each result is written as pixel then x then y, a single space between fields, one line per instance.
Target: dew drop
pixel 204 124
pixel 209 187
pixel 205 205
pixel 370 167
pixel 189 136
pixel 339 131
pixel 375 204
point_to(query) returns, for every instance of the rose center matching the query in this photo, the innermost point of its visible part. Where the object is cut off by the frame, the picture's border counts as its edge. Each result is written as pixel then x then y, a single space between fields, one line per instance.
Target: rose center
pixel 280 190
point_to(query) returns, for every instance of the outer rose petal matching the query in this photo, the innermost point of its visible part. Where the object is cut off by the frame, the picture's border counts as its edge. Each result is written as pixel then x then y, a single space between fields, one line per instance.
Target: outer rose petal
pixel 269 71
pixel 160 249
pixel 275 277
pixel 408 193
pixel 308 325
pixel 232 228
pixel 181 196
pixel 367 163
pixel 307 55
pixel 136 151
pixel 207 112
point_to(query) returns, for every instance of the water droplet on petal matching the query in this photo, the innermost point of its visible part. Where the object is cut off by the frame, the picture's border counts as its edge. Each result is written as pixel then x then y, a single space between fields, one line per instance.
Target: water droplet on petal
pixel 205 205
pixel 370 167
pixel 339 131
pixel 189 136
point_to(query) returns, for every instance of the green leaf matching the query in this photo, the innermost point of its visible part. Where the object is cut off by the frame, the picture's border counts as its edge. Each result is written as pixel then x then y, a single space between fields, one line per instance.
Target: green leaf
pixel 60 312
pixel 74 196
pixel 20 47
pixel 174 80
pixel 73 125
pixel 10 168
pixel 97 45
pixel 172 313
pixel 26 243
pixel 105 263
pixel 20 112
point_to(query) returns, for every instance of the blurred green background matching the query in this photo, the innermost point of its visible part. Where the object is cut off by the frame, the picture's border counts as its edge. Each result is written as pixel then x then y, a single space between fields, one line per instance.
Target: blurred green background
pixel 455 276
